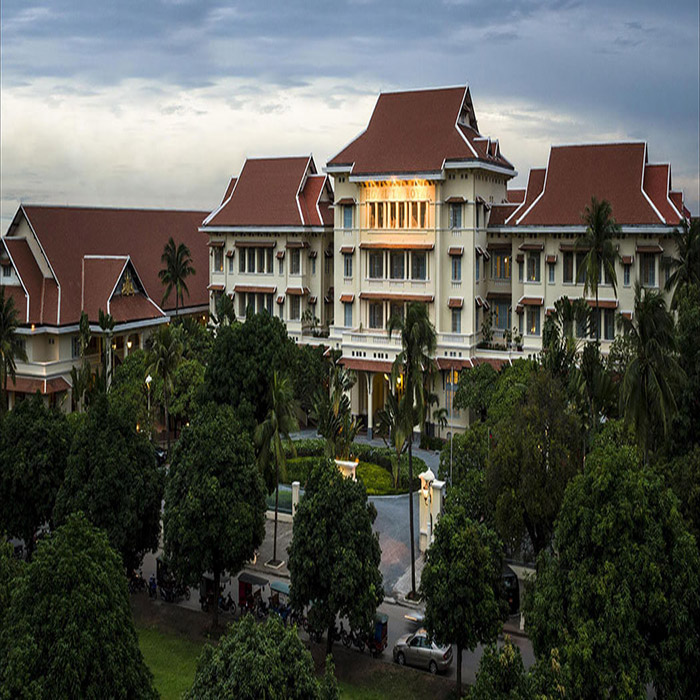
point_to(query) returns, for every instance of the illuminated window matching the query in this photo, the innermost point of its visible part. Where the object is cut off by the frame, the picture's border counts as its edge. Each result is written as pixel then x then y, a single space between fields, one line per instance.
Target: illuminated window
pixel 218 260
pixel 533 267
pixel 500 266
pixel 533 320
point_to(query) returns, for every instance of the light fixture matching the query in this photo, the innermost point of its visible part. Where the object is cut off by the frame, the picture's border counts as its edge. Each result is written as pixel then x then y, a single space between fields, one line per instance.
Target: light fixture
pixel 426 480
pixel 149 379
pixel 129 343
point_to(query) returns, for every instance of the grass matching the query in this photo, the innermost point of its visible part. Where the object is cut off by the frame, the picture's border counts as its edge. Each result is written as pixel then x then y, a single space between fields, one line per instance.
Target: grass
pixel 171 658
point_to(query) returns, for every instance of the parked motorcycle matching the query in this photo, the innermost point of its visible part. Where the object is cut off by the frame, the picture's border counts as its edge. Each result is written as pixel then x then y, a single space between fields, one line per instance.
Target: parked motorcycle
pixel 226 604
pixel 352 638
pixel 137 582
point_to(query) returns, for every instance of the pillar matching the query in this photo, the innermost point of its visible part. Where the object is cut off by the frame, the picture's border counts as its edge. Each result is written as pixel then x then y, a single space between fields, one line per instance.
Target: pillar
pixel 369 405
pixel 295 497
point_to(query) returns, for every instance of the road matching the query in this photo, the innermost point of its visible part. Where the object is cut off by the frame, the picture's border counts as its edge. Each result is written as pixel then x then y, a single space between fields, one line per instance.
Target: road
pixel 397 625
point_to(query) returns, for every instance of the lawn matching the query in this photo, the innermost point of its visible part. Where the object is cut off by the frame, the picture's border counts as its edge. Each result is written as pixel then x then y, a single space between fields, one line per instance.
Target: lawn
pixel 172 660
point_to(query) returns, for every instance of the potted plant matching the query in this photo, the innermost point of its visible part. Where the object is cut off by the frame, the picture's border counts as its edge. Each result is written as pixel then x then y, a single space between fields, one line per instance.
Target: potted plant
pixel 518 339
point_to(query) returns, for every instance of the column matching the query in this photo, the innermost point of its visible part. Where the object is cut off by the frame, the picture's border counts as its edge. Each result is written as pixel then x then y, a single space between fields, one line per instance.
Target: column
pixel 369 405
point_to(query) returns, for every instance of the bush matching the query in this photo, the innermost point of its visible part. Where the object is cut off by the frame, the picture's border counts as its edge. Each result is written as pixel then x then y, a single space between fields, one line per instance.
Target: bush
pixel 431 443
pixel 376 479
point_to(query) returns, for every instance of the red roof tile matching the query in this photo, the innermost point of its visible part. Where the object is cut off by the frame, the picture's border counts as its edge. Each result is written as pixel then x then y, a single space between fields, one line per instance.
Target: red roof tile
pixel 657 181
pixel 30 385
pixel 535 183
pixel 100 277
pixel 314 211
pixel 16 293
pixel 229 189
pixel 516 196
pixel 611 171
pixel 67 234
pixel 366 365
pixel 426 119
pixel 501 212
pixel 133 308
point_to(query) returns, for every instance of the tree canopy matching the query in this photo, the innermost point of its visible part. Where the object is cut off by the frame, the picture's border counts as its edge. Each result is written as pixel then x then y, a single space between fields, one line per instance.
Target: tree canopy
pixel 112 476
pixel 214 516
pixel 11 346
pixel 475 389
pixel 620 598
pixel 334 555
pixel 34 446
pixel 254 661
pixel 501 674
pixel 68 631
pixel 243 358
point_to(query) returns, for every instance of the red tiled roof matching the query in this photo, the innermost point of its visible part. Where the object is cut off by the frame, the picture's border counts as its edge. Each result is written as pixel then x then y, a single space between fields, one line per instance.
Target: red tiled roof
pixel 358 364
pixel 501 212
pixel 449 363
pixel 426 119
pixel 269 192
pixel 229 189
pixel 604 303
pixel 16 293
pixel 397 296
pixel 100 276
pixel 657 181
pixel 455 302
pixel 495 362
pixel 516 196
pixel 67 234
pixel 611 171
pixel 535 183
pixel 393 245
pixel 133 308
pixel 347 298
pixel 30 385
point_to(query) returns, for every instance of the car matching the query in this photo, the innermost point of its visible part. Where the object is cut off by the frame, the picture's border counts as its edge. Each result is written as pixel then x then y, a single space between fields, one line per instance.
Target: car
pixel 417 649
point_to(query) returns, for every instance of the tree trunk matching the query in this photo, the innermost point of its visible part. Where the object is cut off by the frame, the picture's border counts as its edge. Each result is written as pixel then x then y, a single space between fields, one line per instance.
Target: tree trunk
pixel 459 671
pixel 597 317
pixel 410 512
pixel 215 616
pixel 329 641
pixel 277 498
pixel 167 421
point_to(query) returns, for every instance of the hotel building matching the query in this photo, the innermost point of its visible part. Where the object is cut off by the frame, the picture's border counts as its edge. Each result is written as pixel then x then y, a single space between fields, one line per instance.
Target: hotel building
pixel 57 262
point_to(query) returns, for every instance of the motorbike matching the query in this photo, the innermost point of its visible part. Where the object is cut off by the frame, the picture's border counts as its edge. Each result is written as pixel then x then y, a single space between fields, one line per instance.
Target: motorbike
pixel 352 638
pixel 152 587
pixel 137 582
pixel 226 604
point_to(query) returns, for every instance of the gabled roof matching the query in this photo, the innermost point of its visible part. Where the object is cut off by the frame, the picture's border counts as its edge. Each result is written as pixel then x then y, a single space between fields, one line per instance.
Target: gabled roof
pixel 516 195
pixel 617 172
pixel 275 192
pixel 67 235
pixel 416 132
pixel 535 183
pixel 500 213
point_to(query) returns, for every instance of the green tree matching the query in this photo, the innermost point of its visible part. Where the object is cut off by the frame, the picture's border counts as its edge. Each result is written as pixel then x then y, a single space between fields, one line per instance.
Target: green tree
pixel 469 452
pixel 69 632
pixel 510 389
pixel 461 583
pixel 196 338
pixel 395 427
pixel 243 358
pixel 501 674
pixel 682 474
pixel 475 389
pixel 255 661
pixel 34 445
pixel 11 346
pixel 112 476
pixel 272 435
pixel 225 312
pixel 164 357
pixel 537 451
pixel 178 267
pixel 601 253
pixel 10 569
pixel 187 390
pixel 334 555
pixel 81 376
pixel 129 394
pixel 620 597
pixel 685 265
pixel 311 371
pixel 214 516
pixel 647 393
pixel 560 344
pixel 106 323
pixel 414 365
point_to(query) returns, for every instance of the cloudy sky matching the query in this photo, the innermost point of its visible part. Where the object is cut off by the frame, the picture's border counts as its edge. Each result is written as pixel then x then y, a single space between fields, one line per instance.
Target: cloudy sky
pixel 157 102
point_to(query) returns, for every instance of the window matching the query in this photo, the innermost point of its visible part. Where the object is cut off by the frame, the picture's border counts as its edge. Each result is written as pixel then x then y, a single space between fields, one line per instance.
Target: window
pixel 347 216
pixel 376 315
pixel 241 261
pixel 348 315
pixel 280 309
pixel 476 268
pixel 347 265
pixel 230 264
pixel 552 273
pixel 500 266
pixel 626 274
pixel 457 269
pixel 295 308
pixel 218 259
pixel 609 329
pixel 295 262
pixel 268 260
pixel 396 309
pixel 313 266
pixel 75 346
pixel 418 265
pixel 281 266
pixel 251 259
pixel 533 267
pixel 533 320
pixel 376 264
pixel 501 315
pixel 241 304
pixel 261 259
pixel 580 268
pixel 6 270
pixel 397 263
pixel 521 265
pixel 456 320
pixel 268 303
pixel 595 323
pixel 568 268
pixel 455 216
pixel 476 208
pixel 648 269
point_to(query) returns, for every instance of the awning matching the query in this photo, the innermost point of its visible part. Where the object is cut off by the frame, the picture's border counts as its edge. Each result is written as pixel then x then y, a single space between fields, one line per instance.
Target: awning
pixel 216 244
pixel 280 587
pixel 500 245
pixel 551 259
pixel 531 301
pixel 655 249
pixel 328 253
pixel 450 363
pixel 229 253
pixel 455 302
pixel 397 296
pixel 313 253
pixel 256 244
pixel 603 303
pixel 30 385
pixel 456 251
pixel 364 365
pixel 627 259
pixel 280 300
pixel 216 287
pixel 345 201
pixel 347 298
pixel 455 200
pixel 254 580
pixel 481 302
pixel 408 245
pixel 297 244
pixel 519 257
pixel 502 296
pixel 297 291
pixel 254 289
pixel 347 249
pixel 626 314
pixel 531 246
pixel 312 300
pixel 549 310
pixel 572 248
pixel 280 254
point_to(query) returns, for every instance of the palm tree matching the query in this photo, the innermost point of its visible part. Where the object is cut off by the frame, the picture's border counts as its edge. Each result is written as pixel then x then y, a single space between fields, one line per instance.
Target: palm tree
pixel 647 390
pixel 686 264
pixel 395 427
pixel 178 267
pixel 269 435
pixel 106 323
pixel 164 356
pixel 601 253
pixel 411 367
pixel 11 346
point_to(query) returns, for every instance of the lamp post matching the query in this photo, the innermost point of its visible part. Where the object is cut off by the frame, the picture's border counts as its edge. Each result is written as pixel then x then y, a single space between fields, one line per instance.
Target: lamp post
pixel 149 379
pixel 452 426
pixel 426 484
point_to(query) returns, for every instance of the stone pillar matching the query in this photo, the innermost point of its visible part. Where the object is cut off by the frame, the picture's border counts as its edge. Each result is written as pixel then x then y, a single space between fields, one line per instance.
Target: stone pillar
pixel 126 346
pixel 295 496
pixel 370 376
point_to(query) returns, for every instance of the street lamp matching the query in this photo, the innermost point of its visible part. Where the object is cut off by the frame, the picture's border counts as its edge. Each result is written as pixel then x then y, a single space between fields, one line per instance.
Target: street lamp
pixel 149 379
